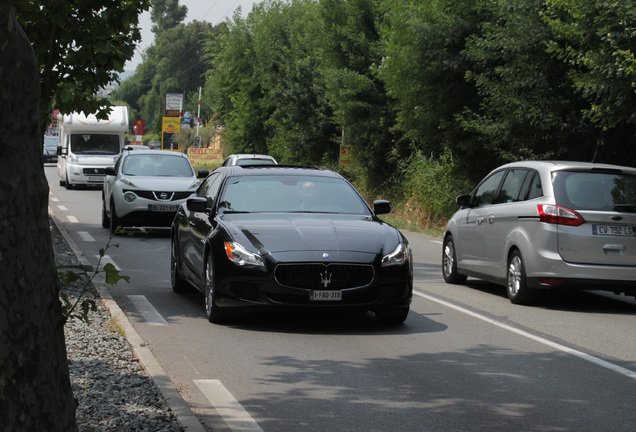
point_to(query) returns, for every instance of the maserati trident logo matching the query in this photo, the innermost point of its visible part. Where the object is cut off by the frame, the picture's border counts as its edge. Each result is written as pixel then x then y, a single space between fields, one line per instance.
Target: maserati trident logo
pixel 325 278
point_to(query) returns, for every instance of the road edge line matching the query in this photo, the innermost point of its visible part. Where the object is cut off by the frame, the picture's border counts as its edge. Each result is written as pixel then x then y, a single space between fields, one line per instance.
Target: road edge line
pixel 580 354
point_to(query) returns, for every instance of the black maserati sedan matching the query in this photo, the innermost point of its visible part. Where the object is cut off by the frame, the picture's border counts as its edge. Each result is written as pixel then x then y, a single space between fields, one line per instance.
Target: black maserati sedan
pixel 289 238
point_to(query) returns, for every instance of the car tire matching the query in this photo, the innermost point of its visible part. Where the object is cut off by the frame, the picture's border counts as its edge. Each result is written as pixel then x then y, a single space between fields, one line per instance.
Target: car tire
pixel 178 284
pixel 114 220
pixel 105 218
pixel 67 185
pixel 62 182
pixel 214 313
pixel 517 287
pixel 449 262
pixel 393 316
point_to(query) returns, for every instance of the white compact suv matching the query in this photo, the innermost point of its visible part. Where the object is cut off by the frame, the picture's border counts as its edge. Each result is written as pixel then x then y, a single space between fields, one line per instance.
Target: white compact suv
pixel 546 224
pixel 146 187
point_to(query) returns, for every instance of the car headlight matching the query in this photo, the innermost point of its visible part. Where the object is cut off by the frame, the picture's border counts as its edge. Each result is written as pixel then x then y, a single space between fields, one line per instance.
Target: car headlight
pixel 399 256
pixel 241 256
pixel 73 159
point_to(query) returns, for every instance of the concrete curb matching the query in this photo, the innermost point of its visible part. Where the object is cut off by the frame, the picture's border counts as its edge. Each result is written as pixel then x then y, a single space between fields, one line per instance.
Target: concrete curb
pixel 186 418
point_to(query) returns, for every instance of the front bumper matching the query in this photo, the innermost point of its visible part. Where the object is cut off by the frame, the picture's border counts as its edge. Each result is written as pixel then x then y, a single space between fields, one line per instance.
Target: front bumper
pixel 245 290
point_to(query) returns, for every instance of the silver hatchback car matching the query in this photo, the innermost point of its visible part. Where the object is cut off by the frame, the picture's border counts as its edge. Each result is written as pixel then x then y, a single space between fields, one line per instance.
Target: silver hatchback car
pixel 546 224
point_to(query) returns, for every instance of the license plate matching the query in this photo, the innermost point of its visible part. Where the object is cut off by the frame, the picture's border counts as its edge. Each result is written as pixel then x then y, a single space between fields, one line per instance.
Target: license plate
pixel 612 230
pixel 96 178
pixel 325 295
pixel 162 207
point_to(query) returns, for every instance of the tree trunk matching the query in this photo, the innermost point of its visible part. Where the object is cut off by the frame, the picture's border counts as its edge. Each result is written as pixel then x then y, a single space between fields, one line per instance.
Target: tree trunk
pixel 35 387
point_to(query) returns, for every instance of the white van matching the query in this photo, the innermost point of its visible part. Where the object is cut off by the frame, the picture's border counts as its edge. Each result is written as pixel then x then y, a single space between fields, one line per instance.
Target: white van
pixel 86 146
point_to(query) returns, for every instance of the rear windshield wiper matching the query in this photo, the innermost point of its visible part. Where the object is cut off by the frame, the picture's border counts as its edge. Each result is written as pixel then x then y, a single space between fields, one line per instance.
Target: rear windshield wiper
pixel 626 208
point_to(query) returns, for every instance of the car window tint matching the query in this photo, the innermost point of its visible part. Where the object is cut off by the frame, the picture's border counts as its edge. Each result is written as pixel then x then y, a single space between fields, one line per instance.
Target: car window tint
pixel 535 189
pixel 594 190
pixel 173 166
pixel 205 185
pixel 247 162
pixel 94 144
pixel 212 189
pixel 485 192
pixel 157 165
pixel 511 189
pixel 291 194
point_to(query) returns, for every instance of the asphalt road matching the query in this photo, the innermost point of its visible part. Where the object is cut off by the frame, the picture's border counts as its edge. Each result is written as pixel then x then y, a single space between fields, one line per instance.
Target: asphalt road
pixel 466 359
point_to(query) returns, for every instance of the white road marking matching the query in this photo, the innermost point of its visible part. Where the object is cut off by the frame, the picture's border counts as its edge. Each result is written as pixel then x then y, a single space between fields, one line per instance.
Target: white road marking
pixel 108 260
pixel 63 208
pixel 147 310
pixel 84 235
pixel 236 417
pixel 191 365
pixel 576 353
pixel 437 241
pixel 55 199
pixel 72 219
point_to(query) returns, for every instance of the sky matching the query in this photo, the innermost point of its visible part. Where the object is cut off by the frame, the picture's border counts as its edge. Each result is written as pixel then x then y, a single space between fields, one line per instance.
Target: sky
pixel 212 11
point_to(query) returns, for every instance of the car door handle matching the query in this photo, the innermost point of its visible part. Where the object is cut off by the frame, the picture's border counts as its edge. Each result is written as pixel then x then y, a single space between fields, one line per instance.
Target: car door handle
pixel 479 220
pixel 491 219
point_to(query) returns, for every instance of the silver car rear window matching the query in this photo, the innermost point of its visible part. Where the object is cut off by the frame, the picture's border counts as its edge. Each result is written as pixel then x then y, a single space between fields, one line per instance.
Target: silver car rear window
pixel 595 190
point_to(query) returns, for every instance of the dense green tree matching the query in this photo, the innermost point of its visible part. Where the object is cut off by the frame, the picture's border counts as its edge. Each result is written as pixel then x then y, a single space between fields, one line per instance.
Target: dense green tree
pixel 349 51
pixel 461 85
pixel 81 46
pixel 166 14
pixel 231 85
pixel 597 40
pixel 174 63
pixel 424 71
pixel 298 126
pixel 528 109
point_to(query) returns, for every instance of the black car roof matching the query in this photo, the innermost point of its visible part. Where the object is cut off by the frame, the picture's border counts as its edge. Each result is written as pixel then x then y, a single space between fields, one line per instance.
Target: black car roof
pixel 235 170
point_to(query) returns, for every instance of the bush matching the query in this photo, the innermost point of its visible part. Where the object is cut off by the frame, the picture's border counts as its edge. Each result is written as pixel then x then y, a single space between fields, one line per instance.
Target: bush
pixel 432 184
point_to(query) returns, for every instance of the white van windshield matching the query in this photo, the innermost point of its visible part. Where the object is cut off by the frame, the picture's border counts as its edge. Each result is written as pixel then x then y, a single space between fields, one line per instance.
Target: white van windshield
pixel 95 144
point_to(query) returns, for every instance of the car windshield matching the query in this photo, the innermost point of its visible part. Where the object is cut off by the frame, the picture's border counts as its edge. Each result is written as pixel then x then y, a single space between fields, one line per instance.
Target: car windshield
pixel 95 144
pixel 271 193
pixel 50 142
pixel 596 190
pixel 162 165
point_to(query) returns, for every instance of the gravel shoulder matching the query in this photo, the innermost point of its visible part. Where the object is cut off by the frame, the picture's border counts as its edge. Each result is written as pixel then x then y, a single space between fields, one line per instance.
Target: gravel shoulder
pixel 113 391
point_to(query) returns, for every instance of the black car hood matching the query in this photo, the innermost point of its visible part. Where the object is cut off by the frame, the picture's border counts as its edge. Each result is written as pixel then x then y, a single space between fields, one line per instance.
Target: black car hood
pixel 311 235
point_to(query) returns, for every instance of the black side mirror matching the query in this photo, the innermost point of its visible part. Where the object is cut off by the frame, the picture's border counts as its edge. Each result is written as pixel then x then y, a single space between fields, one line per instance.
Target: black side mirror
pixel 203 173
pixel 109 170
pixel 381 207
pixel 197 204
pixel 463 200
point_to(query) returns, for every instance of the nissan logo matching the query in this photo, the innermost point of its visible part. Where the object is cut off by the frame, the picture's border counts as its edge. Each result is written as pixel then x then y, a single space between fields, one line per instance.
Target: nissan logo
pixel 163 195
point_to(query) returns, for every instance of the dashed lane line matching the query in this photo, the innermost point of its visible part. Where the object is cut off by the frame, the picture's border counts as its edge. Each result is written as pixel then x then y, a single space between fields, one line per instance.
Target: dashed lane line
pixel 232 412
pixel 147 310
pixel 85 236
pixel 107 260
